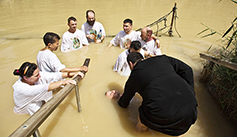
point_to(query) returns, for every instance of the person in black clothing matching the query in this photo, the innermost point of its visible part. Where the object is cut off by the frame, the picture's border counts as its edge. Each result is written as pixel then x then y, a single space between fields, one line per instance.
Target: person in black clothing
pixel 167 88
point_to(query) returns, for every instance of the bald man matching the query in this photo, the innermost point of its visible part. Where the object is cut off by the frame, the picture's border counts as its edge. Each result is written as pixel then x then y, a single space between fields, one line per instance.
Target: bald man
pixel 148 43
pixel 93 30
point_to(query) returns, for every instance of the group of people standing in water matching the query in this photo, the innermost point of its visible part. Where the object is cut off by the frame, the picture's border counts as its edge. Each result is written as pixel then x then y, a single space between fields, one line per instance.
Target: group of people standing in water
pixel 165 83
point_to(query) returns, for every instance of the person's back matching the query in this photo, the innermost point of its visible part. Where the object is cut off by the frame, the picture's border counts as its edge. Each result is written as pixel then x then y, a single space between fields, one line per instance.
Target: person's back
pixel 121 66
pixel 166 86
pixel 162 68
pixel 47 61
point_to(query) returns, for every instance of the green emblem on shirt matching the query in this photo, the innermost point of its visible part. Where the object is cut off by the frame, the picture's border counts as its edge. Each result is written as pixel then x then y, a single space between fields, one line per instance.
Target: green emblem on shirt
pixel 76 43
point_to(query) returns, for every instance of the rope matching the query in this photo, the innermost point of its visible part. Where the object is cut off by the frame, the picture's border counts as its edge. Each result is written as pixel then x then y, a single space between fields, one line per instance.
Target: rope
pixel 164 18
pixel 158 21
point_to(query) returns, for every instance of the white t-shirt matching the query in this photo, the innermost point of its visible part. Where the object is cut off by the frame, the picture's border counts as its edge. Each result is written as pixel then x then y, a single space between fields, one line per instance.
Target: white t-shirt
pixel 150 47
pixel 121 65
pixel 73 41
pixel 95 29
pixel 123 39
pixel 49 62
pixel 28 98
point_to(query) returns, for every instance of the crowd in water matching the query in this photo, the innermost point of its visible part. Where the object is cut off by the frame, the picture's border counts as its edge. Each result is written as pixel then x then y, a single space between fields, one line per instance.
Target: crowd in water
pixel 165 84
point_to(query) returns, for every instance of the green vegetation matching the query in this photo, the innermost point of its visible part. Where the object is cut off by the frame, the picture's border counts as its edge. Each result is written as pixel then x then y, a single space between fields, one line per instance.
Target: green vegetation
pixel 220 80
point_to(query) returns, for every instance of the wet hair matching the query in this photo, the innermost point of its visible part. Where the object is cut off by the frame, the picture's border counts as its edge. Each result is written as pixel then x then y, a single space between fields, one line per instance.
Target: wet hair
pixel 71 18
pixel 128 21
pixel 135 45
pixel 50 37
pixel 88 12
pixel 134 57
pixel 27 69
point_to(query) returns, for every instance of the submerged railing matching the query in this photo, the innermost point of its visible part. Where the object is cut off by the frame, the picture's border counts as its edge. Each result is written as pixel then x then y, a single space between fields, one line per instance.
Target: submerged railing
pixel 31 125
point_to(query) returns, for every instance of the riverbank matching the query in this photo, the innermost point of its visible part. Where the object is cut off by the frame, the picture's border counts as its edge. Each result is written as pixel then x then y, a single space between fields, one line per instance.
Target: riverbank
pixel 221 83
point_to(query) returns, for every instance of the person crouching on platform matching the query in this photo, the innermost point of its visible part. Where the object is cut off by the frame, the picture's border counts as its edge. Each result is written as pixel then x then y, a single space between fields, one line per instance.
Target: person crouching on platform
pixel 34 88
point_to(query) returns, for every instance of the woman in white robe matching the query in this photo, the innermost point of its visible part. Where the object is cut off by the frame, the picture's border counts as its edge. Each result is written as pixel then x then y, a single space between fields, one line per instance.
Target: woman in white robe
pixel 34 88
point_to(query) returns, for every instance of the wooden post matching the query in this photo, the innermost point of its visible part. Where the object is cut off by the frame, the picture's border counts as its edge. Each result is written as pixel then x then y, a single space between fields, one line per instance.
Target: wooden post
pixel 230 65
pixel 172 20
pixel 33 122
pixel 86 63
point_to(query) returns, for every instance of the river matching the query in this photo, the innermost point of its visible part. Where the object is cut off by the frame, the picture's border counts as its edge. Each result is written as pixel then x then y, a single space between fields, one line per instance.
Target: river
pixel 24 22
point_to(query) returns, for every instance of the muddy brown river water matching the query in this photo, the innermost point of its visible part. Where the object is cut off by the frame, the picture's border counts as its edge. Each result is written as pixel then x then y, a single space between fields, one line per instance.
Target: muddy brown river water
pixel 24 22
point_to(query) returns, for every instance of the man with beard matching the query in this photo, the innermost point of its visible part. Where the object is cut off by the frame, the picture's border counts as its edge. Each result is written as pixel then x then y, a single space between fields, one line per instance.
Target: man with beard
pixel 74 38
pixel 93 30
pixel 147 42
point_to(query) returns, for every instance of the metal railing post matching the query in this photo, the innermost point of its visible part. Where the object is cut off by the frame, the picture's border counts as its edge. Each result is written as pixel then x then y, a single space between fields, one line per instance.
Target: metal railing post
pixel 172 20
pixel 78 98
